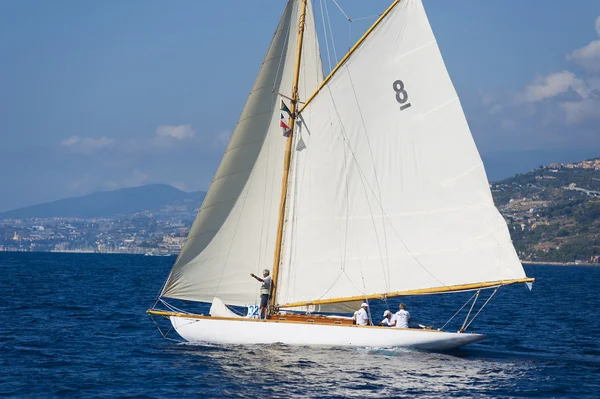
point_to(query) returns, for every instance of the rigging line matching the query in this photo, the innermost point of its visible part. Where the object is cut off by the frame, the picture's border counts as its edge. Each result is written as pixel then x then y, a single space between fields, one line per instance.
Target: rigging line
pixel 470 310
pixel 162 288
pixel 345 252
pixel 331 33
pixel 370 16
pixel 342 271
pixel 387 305
pixel 288 212
pixel 477 314
pixel 462 307
pixel 378 186
pixel 165 336
pixel 290 220
pixel 365 184
pixel 366 299
pixel 263 248
pixel 325 31
pixel 335 281
pixel 349 36
pixel 338 6
pixel 171 307
pixel 300 176
pixel 363 178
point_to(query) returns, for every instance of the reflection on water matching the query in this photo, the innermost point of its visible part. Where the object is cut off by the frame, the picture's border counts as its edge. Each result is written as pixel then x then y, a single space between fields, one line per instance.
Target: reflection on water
pixel 288 371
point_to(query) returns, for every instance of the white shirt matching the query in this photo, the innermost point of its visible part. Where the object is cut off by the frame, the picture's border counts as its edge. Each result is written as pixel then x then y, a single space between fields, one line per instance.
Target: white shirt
pixel 402 318
pixel 362 318
pixel 386 321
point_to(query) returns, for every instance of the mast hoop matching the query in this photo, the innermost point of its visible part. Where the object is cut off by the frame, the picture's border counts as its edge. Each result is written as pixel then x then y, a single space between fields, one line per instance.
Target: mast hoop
pixel 420 291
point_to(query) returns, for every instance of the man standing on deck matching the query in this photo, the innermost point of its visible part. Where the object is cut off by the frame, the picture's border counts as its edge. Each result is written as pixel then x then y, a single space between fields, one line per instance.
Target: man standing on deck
pixel 401 318
pixel 265 292
pixel 361 316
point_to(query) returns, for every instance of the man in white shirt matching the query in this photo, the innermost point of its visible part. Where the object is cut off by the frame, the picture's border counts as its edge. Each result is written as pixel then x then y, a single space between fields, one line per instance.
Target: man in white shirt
pixel 361 316
pixel 387 319
pixel 265 292
pixel 401 318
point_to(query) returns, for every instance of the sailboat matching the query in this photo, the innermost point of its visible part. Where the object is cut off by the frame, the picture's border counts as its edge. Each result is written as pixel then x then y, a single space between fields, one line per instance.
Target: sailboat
pixel 377 190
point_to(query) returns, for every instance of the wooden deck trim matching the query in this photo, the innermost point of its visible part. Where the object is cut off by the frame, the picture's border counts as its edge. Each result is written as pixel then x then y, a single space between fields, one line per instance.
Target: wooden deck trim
pixel 317 321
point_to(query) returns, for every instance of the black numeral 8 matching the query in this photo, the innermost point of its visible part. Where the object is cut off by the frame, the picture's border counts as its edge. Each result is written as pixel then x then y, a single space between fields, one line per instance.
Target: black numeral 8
pixel 401 94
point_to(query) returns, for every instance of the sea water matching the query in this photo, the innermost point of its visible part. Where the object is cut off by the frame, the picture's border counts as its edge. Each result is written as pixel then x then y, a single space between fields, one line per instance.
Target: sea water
pixel 75 325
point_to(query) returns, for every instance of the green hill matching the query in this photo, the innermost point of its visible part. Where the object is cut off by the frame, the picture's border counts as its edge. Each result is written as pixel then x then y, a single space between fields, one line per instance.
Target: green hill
pixel 553 212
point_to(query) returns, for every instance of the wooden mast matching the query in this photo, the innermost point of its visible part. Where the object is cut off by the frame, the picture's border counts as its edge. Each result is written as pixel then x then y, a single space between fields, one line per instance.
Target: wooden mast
pixel 287 156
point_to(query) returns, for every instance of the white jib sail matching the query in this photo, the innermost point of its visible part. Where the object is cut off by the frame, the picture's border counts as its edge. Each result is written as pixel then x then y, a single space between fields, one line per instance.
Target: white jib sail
pixel 389 190
pixel 235 230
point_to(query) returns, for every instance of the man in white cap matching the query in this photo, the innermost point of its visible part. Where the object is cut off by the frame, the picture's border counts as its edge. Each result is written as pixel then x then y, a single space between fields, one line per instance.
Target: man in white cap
pixel 361 316
pixel 387 319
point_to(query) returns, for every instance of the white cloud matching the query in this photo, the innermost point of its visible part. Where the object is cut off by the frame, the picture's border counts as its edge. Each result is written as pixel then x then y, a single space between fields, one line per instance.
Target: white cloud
pixel 179 132
pixel 553 85
pixel 87 144
pixel 589 55
pixel 579 111
pixel 558 109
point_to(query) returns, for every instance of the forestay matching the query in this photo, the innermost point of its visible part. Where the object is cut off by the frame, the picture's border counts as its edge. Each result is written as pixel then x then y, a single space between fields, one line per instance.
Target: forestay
pixel 234 232
pixel 388 189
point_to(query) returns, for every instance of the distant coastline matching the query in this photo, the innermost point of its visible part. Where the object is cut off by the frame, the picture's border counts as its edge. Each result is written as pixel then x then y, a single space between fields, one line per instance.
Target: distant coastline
pixel 528 262
pixel 91 251
pixel 87 251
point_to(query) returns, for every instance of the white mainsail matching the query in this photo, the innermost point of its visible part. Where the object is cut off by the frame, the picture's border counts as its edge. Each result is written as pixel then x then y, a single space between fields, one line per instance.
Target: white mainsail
pixel 388 191
pixel 234 232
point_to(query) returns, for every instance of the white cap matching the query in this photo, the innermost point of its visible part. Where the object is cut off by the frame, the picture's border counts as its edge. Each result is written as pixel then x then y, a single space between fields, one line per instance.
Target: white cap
pixel 387 312
pixel 364 304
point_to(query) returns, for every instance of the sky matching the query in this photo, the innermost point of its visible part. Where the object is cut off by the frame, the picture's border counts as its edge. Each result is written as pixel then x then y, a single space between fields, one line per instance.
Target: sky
pixel 103 95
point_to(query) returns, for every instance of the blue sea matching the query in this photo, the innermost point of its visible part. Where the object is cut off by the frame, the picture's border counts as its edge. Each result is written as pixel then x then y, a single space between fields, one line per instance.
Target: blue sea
pixel 74 325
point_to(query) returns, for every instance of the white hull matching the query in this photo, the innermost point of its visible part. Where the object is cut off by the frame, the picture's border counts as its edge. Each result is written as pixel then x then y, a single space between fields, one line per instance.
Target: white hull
pixel 246 331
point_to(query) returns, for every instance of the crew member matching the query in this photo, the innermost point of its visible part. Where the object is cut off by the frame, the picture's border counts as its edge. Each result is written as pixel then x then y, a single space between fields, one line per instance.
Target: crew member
pixel 265 292
pixel 387 319
pixel 361 316
pixel 401 318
